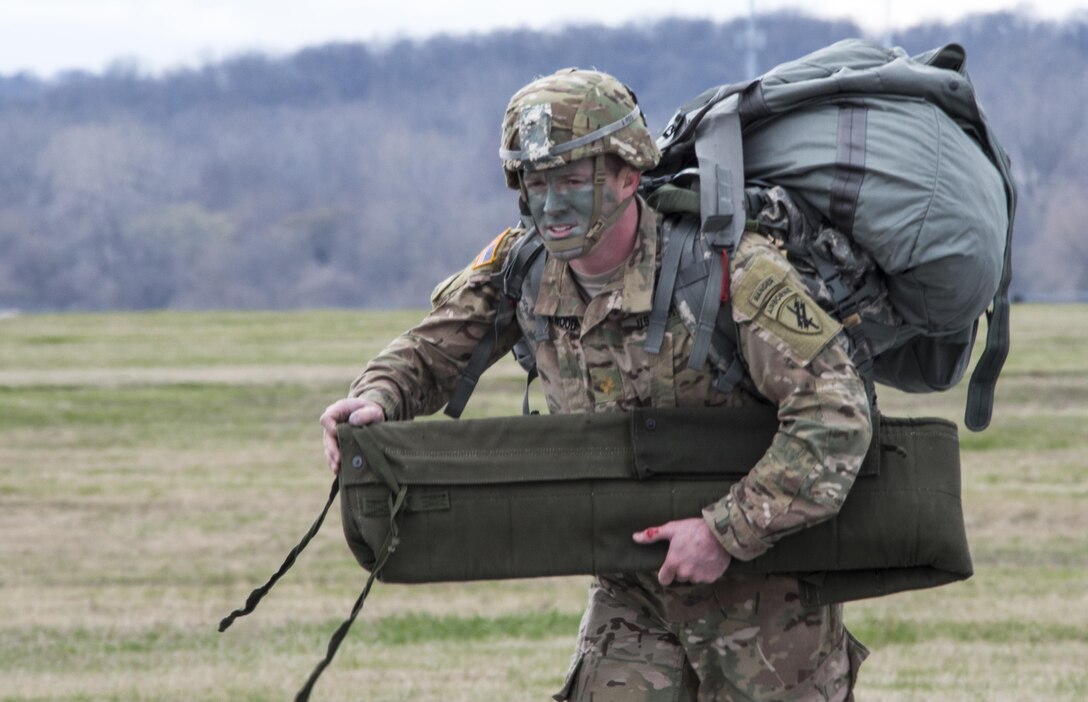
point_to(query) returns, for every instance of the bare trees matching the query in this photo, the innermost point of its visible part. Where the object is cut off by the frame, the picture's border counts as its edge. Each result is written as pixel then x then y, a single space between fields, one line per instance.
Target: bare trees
pixel 345 175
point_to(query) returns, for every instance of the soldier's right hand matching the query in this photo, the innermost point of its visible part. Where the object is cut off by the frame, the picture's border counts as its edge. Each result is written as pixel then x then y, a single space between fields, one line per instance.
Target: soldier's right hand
pixel 354 410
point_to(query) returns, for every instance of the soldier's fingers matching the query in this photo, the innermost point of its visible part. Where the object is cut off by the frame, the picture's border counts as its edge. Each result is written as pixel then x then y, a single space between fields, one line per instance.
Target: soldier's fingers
pixel 332 451
pixel 667 574
pixel 367 414
pixel 340 410
pixel 334 413
pixel 653 534
pixel 673 568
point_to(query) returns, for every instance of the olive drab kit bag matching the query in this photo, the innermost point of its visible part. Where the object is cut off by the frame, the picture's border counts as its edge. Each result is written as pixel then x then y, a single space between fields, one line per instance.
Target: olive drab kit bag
pixel 529 496
pixel 854 153
pixel 880 178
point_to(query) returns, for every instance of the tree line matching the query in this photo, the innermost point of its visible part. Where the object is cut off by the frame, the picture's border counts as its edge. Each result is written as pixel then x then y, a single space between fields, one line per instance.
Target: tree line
pixel 358 175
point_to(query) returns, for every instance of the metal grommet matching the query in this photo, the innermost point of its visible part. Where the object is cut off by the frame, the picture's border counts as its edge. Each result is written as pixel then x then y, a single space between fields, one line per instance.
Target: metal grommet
pixel 651 424
pixel 357 462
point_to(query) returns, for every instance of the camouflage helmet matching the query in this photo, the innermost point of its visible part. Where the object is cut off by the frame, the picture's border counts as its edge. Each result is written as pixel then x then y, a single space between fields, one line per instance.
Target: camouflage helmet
pixel 570 115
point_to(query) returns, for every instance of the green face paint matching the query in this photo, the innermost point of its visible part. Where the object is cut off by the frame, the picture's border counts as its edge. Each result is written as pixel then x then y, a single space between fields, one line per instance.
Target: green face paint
pixel 561 203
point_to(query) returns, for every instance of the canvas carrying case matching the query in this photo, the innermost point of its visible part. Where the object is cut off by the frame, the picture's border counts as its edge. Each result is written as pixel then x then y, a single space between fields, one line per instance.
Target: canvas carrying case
pixel 520 497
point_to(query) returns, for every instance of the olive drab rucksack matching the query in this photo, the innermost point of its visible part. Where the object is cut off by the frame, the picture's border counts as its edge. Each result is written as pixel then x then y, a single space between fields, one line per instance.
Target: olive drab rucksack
pixel 891 151
pixel 852 153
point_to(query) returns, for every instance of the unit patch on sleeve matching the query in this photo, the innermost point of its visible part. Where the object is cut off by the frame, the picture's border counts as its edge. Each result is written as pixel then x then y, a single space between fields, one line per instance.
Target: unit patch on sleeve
pixel 779 305
pixel 491 251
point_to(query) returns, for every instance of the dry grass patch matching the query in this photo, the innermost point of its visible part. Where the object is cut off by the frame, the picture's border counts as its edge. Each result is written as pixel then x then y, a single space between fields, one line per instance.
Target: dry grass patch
pixel 155 468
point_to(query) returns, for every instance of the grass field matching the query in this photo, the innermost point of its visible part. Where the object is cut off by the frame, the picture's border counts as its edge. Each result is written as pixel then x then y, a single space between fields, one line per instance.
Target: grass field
pixel 156 467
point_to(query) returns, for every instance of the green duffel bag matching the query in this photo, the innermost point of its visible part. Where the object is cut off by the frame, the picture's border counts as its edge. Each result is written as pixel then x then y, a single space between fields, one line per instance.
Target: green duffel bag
pixel 520 497
pixel 530 496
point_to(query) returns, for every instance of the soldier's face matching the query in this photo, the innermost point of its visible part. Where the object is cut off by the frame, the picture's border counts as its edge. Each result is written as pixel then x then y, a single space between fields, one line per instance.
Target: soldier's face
pixel 561 202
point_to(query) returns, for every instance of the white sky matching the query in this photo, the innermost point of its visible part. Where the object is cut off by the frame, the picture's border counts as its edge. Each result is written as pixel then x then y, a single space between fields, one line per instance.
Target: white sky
pixel 47 36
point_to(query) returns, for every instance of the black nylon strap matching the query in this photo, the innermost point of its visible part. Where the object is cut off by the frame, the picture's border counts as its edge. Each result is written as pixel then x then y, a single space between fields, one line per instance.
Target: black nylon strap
pixel 980 391
pixel 512 276
pixel 257 595
pixel 725 382
pixel 752 105
pixel 477 362
pixel 529 378
pixel 390 545
pixel 849 167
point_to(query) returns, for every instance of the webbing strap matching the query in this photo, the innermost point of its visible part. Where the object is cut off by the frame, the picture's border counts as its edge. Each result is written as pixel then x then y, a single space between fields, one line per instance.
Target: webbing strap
pixel 257 595
pixel 529 378
pixel 708 317
pixel 542 328
pixel 541 333
pixel 477 362
pixel 675 239
pixel 725 382
pixel 720 154
pixel 980 391
pixel 378 463
pixel 849 167
pixel 513 274
pixel 392 540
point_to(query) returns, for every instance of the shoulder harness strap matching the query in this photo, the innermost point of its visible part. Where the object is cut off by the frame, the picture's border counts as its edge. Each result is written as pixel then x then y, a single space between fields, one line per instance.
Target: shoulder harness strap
pixel 509 280
pixel 696 271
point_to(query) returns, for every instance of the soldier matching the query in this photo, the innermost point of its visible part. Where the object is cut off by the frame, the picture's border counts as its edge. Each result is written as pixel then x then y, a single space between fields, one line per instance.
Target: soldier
pixel 574 145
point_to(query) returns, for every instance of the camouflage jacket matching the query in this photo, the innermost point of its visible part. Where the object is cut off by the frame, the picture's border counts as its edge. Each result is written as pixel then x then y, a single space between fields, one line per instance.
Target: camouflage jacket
pixel 594 361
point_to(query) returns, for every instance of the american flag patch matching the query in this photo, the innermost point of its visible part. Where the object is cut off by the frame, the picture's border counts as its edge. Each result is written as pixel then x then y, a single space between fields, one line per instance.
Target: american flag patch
pixel 490 252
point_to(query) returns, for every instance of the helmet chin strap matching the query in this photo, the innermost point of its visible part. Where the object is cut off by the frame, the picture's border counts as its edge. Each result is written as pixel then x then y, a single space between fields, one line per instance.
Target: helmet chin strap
pixel 598 225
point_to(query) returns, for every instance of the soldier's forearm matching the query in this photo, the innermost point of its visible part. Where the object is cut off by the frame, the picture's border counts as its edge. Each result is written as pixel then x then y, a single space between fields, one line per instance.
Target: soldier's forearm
pixel 805 475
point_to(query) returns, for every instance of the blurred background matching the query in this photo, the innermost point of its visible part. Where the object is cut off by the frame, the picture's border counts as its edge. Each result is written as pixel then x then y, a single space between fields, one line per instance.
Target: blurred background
pixel 254 155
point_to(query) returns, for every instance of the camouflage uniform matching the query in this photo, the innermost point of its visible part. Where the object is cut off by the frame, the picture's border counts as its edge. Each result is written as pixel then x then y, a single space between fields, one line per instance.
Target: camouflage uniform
pixel 740 638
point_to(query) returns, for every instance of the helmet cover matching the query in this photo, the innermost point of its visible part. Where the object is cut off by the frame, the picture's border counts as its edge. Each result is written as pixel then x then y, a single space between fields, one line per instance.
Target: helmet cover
pixel 570 115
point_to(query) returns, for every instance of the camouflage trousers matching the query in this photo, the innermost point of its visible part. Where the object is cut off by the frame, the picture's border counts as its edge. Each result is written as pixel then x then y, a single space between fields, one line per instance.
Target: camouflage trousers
pixel 742 638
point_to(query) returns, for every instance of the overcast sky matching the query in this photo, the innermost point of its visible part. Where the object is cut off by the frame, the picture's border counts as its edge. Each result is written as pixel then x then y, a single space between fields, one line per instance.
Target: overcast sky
pixel 47 36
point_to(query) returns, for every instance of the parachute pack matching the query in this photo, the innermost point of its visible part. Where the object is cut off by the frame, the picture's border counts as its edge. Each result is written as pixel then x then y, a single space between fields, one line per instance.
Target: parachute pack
pixel 881 178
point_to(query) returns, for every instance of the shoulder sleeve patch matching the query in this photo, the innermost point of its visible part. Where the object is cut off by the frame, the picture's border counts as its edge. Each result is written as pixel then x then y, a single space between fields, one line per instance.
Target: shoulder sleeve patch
pixel 480 270
pixel 490 254
pixel 760 280
pixel 773 300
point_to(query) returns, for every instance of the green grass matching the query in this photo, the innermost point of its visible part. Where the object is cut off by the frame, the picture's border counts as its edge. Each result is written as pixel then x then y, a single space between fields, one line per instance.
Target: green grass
pixel 156 467
pixel 888 632
pixel 95 649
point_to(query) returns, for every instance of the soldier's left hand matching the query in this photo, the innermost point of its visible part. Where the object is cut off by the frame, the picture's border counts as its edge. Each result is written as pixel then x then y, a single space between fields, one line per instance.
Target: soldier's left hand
pixel 695 554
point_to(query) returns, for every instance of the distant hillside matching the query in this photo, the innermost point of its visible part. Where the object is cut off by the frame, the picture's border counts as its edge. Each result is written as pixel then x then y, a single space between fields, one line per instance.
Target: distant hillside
pixel 357 175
